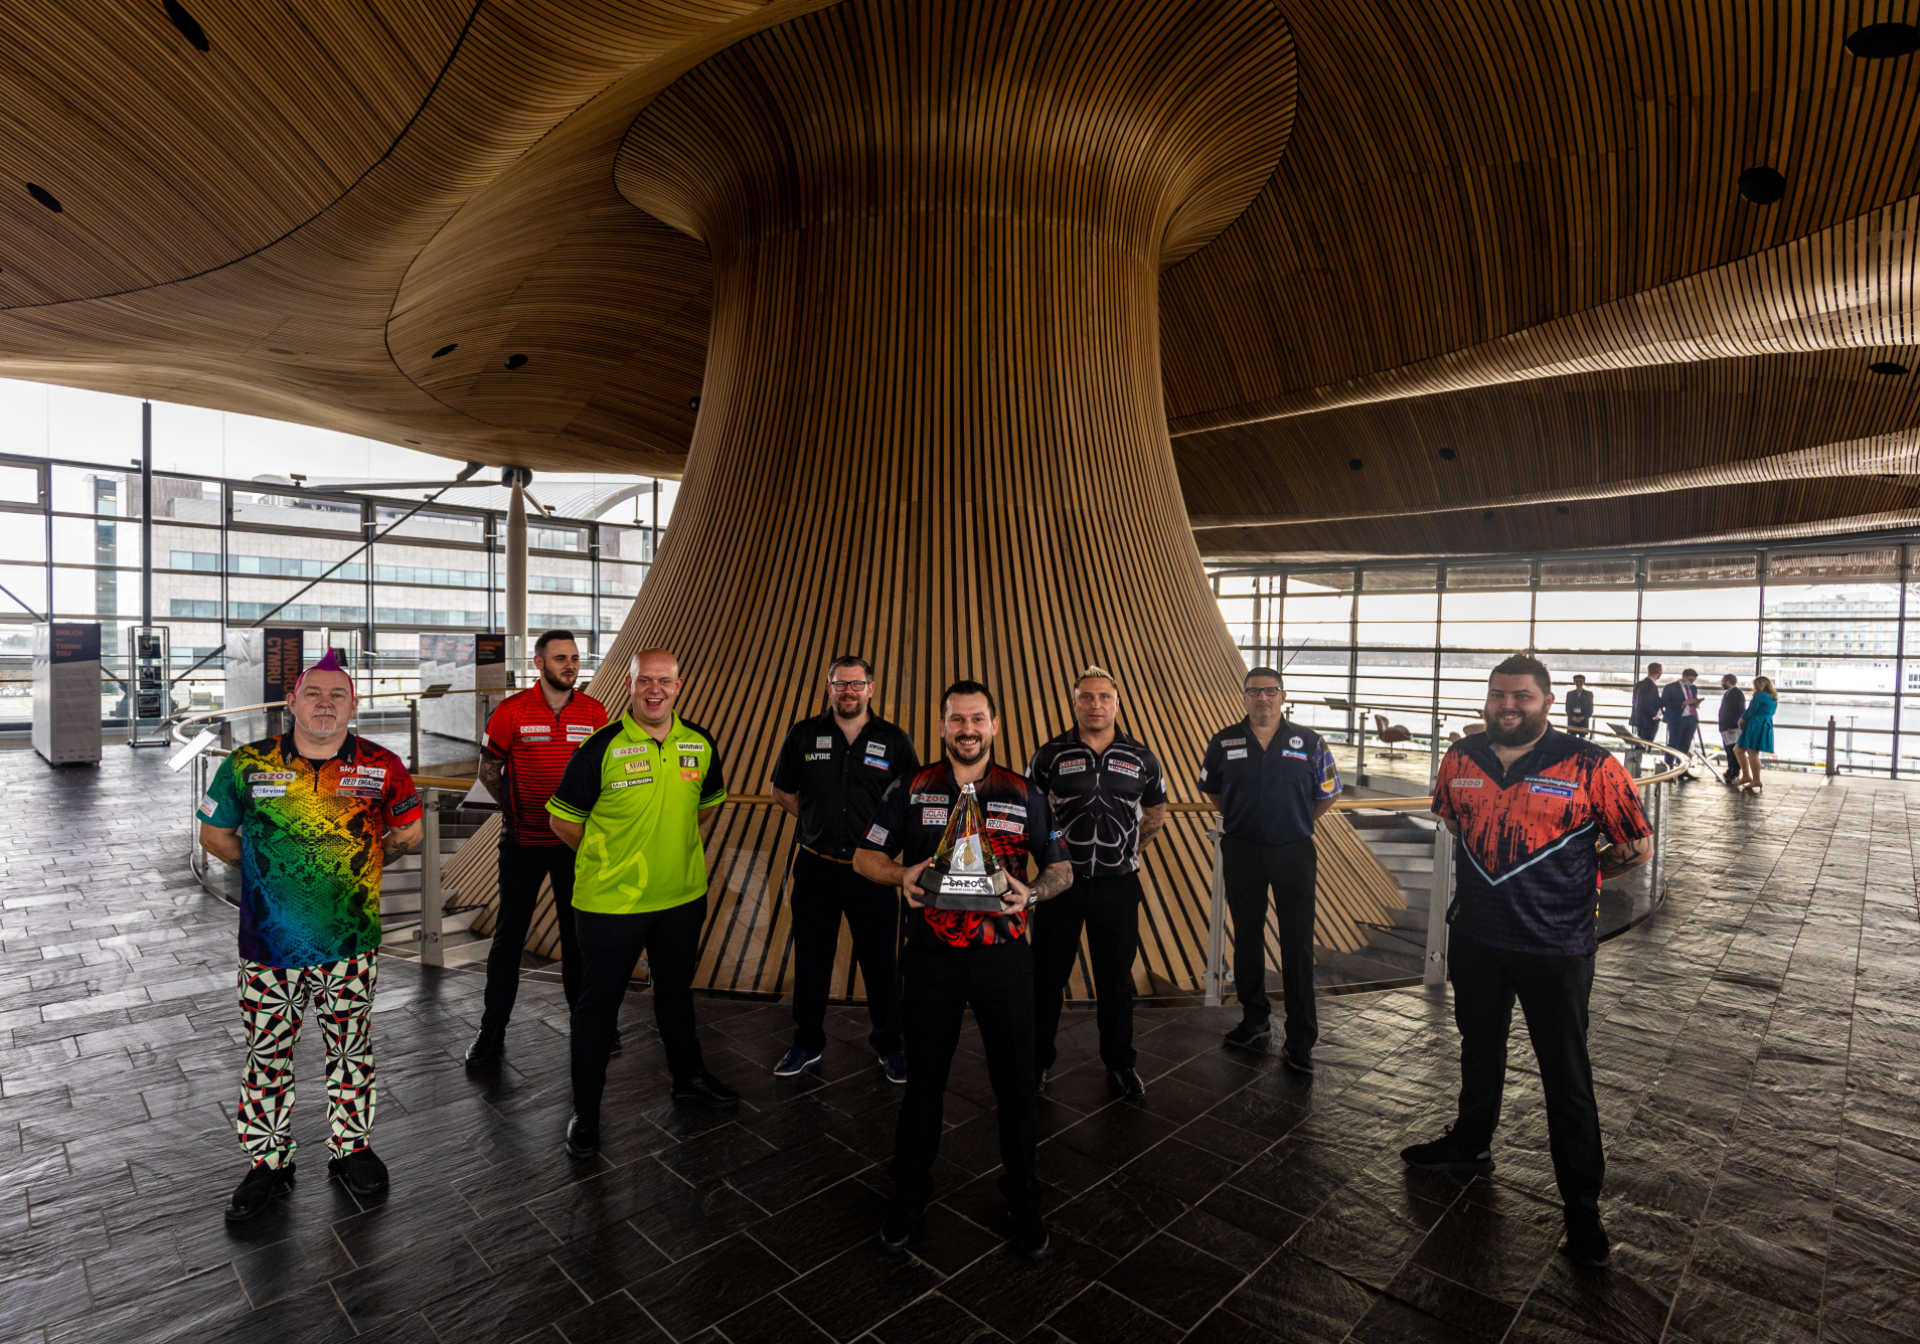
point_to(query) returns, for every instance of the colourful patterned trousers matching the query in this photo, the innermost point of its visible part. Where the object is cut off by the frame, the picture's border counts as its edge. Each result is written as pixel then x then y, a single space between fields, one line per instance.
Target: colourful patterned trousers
pixel 272 1002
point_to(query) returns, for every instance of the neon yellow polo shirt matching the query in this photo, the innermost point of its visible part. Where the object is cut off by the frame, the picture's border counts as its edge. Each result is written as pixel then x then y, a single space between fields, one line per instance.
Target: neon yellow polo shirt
pixel 640 801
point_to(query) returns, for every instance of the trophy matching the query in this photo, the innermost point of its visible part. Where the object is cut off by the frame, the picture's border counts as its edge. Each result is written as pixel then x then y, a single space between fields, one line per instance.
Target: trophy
pixel 964 874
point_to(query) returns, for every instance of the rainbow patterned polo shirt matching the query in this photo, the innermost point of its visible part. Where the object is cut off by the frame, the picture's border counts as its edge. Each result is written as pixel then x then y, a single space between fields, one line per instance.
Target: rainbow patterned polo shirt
pixel 310 854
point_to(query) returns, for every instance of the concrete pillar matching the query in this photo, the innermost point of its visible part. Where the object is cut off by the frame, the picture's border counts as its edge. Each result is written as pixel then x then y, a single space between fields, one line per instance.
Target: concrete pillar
pixel 516 544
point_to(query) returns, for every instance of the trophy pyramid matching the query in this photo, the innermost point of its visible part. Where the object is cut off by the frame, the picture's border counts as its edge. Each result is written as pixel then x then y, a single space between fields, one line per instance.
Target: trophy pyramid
pixel 964 874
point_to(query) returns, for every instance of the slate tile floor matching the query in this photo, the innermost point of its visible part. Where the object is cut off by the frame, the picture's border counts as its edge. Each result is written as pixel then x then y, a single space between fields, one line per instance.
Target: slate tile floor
pixel 1758 1046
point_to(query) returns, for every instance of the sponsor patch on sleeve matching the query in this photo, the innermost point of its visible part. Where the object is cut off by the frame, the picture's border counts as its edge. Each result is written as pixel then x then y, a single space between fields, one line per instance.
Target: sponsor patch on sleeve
pixel 876 834
pixel 933 816
pixel 208 807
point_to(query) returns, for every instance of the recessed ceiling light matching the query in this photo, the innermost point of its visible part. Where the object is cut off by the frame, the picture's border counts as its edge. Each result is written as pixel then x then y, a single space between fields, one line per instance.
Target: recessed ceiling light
pixel 1762 185
pixel 188 25
pixel 516 361
pixel 693 403
pixel 446 350
pixel 1354 464
pixel 1882 41
pixel 1887 367
pixel 45 197
pixel 1447 454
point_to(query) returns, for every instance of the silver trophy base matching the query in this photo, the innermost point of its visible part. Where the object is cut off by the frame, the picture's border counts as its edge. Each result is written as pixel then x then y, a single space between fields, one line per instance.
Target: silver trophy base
pixel 958 891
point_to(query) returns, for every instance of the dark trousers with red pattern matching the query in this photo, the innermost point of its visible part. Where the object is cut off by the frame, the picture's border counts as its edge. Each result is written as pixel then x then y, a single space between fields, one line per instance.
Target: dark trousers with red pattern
pixel 522 869
pixel 1553 993
pixel 941 984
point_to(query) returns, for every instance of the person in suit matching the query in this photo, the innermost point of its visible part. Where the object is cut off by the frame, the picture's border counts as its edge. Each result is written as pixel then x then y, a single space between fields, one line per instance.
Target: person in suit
pixel 1680 706
pixel 1733 703
pixel 1646 704
pixel 1579 705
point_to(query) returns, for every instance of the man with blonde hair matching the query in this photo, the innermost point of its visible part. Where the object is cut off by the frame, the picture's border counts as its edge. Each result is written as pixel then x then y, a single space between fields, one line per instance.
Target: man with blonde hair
pixel 1109 799
pixel 630 805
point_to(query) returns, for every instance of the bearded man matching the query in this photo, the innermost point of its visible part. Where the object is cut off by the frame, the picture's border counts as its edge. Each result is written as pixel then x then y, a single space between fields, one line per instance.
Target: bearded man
pixel 1527 805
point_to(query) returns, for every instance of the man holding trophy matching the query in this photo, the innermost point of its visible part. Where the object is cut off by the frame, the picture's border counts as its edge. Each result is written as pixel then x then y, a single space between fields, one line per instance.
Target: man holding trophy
pixel 965 828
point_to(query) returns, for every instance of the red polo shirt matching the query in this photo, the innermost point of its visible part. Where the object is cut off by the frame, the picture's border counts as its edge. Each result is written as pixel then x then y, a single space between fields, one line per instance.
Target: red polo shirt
pixel 532 743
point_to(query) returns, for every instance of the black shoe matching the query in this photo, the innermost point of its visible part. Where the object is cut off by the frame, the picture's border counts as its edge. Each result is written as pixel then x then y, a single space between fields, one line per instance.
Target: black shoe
pixel 901 1222
pixel 1040 1079
pixel 1588 1246
pixel 583 1139
pixel 1248 1032
pixel 1297 1060
pixel 795 1062
pixel 487 1047
pixel 361 1172
pixel 1445 1154
pixel 617 1046
pixel 257 1189
pixel 703 1089
pixel 1029 1241
pixel 1127 1083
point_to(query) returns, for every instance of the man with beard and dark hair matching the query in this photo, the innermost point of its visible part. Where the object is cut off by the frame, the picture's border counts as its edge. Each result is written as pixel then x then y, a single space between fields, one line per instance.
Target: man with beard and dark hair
pixel 829 776
pixel 956 959
pixel 524 753
pixel 1270 780
pixel 1526 805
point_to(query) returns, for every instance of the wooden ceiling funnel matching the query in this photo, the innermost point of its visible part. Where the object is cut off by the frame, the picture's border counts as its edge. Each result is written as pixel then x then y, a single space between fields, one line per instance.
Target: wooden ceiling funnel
pixel 931 427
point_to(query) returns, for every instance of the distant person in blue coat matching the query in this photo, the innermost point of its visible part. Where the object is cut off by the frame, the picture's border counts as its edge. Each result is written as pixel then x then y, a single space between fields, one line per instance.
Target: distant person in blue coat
pixel 1646 704
pixel 1680 704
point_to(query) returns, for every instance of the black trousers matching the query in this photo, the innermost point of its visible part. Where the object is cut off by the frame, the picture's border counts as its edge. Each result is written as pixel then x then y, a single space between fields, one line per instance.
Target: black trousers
pixel 521 869
pixel 610 947
pixel 1647 730
pixel 941 982
pixel 1553 993
pixel 1290 870
pixel 1109 909
pixel 823 891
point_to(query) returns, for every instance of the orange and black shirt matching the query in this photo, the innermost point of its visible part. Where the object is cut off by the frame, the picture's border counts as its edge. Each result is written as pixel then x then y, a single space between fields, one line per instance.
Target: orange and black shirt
pixel 1525 867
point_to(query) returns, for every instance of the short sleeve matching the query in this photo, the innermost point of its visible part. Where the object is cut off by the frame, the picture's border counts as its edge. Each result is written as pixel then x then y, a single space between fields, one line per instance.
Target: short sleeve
pixel 1616 803
pixel 886 832
pixel 1329 772
pixel 402 799
pixel 1212 767
pixel 580 783
pixel 1153 788
pixel 1443 787
pixel 907 763
pixel 713 785
pixel 221 806
pixel 1038 769
pixel 498 740
pixel 1044 841
pixel 786 766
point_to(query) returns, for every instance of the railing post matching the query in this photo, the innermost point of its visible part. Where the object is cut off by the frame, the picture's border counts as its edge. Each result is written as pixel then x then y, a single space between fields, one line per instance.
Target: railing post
pixel 1360 755
pixel 1439 897
pixel 1658 862
pixel 413 736
pixel 1833 765
pixel 431 953
pixel 1216 919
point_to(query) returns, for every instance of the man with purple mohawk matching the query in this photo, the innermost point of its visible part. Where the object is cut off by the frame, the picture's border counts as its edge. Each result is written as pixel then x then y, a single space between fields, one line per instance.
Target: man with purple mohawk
pixel 309 818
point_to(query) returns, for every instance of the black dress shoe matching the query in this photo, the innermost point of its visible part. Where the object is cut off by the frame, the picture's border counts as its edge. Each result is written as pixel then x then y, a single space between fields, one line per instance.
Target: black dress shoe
pixel 583 1139
pixel 361 1172
pixel 1587 1246
pixel 487 1048
pixel 1029 1240
pixel 902 1221
pixel 1127 1083
pixel 1249 1032
pixel 703 1089
pixel 257 1190
pixel 1297 1060
pixel 1448 1154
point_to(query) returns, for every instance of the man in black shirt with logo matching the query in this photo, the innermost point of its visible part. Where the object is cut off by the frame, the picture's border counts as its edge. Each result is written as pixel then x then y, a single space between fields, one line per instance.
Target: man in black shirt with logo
pixel 830 775
pixel 1270 780
pixel 1108 798
pixel 956 959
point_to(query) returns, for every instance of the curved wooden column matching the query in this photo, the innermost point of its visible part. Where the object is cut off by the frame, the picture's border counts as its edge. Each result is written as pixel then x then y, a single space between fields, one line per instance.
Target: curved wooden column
pixel 931 428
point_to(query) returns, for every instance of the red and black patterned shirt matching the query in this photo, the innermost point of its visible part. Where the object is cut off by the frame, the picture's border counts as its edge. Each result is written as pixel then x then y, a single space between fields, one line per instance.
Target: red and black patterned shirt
pixel 533 744
pixel 912 818
pixel 1526 871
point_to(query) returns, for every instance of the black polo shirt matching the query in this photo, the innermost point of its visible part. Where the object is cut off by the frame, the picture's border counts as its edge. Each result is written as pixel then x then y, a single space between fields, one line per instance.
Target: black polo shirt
pixel 1096 798
pixel 840 782
pixel 1268 795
